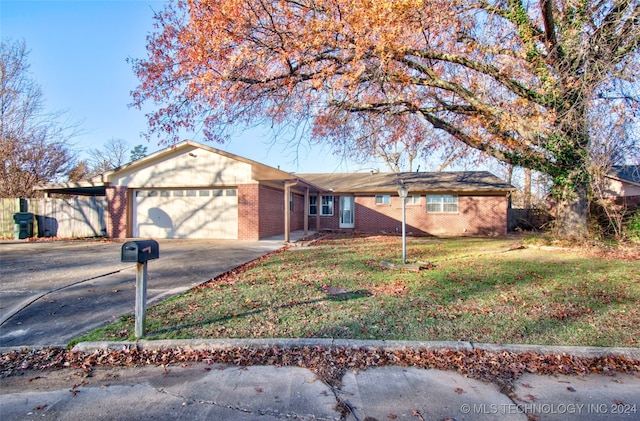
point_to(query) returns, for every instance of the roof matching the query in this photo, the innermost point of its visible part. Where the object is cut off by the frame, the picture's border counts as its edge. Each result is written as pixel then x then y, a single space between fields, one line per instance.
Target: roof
pixel 261 172
pixel 464 181
pixel 628 173
pixel 80 188
pixel 97 185
pixel 459 182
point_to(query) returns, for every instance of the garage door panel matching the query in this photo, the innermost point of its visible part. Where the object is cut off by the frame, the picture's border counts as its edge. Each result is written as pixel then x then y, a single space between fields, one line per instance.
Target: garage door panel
pixel 209 213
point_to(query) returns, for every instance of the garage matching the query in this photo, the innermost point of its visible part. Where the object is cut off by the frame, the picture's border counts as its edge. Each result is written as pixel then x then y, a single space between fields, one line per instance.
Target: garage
pixel 186 213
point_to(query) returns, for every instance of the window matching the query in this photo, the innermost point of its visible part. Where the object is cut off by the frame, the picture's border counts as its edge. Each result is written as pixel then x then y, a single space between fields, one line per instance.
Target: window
pixel 313 205
pixel 191 193
pixel 446 203
pixel 232 192
pixel 204 193
pixel 413 199
pixel 326 208
pixel 383 199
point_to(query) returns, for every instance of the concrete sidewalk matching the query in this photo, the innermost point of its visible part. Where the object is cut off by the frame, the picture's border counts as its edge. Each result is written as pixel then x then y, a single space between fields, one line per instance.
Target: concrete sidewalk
pixel 202 391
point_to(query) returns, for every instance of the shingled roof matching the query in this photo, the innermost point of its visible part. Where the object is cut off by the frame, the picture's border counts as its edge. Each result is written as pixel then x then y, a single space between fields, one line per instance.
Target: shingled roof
pixel 628 173
pixel 418 182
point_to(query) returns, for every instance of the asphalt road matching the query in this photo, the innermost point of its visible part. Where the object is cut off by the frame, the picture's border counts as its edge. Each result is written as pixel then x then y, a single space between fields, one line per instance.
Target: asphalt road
pixel 54 291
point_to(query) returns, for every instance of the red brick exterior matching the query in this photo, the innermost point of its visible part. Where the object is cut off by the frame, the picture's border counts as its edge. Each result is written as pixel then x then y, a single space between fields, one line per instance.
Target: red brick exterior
pixel 271 212
pixel 261 214
pixel 248 212
pixel 477 215
pixel 297 216
pixel 118 211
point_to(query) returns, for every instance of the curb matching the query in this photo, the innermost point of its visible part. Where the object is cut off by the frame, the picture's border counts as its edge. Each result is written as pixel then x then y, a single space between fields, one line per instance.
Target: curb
pixel 213 344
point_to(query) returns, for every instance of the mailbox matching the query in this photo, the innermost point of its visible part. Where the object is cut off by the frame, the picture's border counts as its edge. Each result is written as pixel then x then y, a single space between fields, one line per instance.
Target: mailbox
pixel 140 251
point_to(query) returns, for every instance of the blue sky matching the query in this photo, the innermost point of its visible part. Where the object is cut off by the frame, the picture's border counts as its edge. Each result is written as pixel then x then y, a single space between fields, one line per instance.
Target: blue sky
pixel 78 51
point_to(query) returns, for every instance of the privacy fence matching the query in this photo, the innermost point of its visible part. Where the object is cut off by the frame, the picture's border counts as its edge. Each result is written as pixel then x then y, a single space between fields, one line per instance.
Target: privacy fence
pixel 64 218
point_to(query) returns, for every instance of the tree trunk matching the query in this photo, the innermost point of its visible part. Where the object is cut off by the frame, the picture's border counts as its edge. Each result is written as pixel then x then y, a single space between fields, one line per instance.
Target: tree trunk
pixel 571 214
pixel 527 188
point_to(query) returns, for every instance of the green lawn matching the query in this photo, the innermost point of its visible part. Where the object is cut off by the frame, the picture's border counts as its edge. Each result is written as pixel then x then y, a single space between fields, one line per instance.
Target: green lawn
pixel 480 290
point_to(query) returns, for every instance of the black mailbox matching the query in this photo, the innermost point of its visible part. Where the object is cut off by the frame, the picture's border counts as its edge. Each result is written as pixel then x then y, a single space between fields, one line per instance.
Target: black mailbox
pixel 140 251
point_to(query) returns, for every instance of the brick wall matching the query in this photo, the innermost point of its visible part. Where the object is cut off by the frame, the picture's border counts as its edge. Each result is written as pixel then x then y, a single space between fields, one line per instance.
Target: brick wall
pixel 271 211
pixel 477 215
pixel 118 211
pixel 248 212
pixel 297 216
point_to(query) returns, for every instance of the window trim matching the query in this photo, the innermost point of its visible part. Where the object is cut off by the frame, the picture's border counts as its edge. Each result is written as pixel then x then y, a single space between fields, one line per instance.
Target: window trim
pixel 385 199
pixel 413 201
pixel 442 204
pixel 322 205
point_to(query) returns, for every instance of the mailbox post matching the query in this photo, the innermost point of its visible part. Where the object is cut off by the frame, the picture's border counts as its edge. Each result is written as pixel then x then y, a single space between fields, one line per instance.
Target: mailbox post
pixel 140 252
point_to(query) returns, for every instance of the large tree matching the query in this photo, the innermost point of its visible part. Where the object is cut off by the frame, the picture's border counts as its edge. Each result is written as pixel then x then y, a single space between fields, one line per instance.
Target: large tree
pixel 34 144
pixel 518 81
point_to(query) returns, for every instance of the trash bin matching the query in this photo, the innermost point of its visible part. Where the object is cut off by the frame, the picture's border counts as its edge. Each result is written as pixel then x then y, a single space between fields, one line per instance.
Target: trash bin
pixel 23 227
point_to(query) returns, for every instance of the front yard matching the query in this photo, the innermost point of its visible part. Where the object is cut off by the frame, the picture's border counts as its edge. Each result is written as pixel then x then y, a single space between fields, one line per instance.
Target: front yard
pixel 481 290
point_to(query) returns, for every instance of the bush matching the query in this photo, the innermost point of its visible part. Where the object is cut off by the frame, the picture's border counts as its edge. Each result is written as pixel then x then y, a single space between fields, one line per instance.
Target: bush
pixel 631 226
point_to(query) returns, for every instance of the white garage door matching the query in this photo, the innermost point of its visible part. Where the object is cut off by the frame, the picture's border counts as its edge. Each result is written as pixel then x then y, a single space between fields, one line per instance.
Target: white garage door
pixel 176 213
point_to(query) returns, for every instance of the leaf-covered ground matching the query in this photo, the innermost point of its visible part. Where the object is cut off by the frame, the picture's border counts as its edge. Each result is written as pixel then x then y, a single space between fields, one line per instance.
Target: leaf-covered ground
pixel 499 290
pixel 329 363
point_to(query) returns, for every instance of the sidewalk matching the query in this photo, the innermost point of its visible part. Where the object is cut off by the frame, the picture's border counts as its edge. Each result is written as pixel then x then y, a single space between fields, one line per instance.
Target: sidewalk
pixel 211 391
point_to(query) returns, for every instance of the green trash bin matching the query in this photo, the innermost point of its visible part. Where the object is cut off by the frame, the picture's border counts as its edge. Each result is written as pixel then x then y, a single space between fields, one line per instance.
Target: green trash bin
pixel 23 227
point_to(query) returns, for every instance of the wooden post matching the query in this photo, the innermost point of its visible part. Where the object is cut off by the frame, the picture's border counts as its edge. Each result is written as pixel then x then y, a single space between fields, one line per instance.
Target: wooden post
pixel 287 209
pixel 287 213
pixel 141 298
pixel 319 211
pixel 306 211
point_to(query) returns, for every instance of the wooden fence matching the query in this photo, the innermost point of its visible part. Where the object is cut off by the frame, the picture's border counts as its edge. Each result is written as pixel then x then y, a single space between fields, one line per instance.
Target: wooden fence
pixel 63 218
pixel 528 219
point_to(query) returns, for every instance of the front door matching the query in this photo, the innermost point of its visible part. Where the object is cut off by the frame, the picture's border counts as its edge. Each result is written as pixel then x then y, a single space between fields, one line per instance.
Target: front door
pixel 347 207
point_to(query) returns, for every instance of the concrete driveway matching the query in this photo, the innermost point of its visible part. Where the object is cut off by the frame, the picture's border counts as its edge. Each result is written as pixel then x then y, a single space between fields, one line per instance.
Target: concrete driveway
pixel 52 292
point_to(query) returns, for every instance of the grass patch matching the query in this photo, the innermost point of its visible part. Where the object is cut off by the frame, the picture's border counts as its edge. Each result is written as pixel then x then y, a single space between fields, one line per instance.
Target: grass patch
pixel 480 290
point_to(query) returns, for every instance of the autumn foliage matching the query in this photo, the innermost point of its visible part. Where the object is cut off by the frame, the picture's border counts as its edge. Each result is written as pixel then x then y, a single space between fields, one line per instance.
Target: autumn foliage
pixel 515 80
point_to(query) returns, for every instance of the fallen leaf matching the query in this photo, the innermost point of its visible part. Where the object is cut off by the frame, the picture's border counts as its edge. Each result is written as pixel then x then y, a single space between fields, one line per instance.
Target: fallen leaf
pixel 459 391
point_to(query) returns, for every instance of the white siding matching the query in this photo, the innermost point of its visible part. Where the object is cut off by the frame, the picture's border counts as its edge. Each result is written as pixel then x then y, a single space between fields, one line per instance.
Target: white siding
pixel 191 167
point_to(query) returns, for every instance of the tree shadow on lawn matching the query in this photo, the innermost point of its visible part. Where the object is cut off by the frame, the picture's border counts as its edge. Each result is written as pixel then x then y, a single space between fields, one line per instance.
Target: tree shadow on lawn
pixel 553 291
pixel 331 294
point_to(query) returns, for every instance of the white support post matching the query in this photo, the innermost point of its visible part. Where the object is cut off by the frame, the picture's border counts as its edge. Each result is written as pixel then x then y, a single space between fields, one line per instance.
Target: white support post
pixel 141 298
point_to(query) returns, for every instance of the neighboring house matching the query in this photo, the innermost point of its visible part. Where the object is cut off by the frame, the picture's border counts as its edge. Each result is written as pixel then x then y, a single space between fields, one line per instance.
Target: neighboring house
pixel 623 182
pixel 194 191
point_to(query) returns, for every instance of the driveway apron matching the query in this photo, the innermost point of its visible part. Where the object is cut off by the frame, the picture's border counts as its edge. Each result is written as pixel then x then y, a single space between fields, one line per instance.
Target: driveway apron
pixel 52 292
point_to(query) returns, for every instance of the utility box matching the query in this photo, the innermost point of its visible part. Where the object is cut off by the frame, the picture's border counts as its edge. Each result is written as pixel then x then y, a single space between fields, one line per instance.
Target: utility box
pixel 140 251
pixel 23 227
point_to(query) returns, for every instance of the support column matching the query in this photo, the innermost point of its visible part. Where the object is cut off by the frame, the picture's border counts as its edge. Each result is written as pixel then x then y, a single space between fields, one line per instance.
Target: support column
pixel 287 211
pixel 319 205
pixel 306 211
